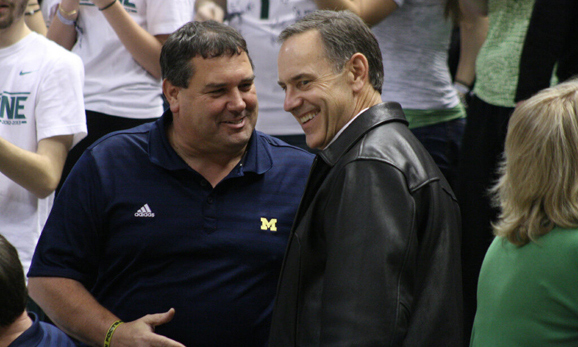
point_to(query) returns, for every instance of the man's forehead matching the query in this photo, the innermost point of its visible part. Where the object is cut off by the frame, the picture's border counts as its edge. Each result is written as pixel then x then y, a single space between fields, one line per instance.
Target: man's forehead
pixel 222 70
pixel 222 60
pixel 298 59
pixel 307 45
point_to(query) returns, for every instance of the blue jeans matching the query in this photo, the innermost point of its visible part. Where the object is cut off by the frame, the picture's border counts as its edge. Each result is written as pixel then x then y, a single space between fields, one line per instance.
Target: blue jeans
pixel 443 142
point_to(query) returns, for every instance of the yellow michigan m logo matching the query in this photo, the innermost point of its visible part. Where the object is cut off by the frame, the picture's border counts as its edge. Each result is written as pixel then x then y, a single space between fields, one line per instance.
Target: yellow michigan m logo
pixel 268 224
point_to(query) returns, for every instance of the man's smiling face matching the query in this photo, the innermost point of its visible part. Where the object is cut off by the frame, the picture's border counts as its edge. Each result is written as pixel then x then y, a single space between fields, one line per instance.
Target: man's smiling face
pixel 318 97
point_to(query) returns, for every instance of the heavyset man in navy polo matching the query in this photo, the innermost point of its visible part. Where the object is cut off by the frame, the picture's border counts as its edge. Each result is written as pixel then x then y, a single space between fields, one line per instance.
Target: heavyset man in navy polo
pixel 191 212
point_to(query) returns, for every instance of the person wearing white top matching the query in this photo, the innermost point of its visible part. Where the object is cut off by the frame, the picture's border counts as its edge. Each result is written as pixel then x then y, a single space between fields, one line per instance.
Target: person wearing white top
pixel 41 118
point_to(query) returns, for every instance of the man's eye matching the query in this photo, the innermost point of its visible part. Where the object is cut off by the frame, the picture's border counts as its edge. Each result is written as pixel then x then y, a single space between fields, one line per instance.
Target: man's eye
pixel 303 83
pixel 217 92
pixel 246 87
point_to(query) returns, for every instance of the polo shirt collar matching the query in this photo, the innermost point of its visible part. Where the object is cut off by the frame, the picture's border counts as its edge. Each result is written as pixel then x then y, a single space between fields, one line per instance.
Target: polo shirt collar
pixel 31 336
pixel 257 158
pixel 160 150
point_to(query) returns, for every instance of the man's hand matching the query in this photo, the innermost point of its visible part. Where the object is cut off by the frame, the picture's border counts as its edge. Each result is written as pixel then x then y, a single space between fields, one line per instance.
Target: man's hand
pixel 140 333
pixel 209 10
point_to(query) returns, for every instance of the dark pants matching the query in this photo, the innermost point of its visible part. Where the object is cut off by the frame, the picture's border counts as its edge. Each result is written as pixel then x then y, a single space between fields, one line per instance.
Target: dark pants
pixel 443 142
pixel 98 124
pixel 482 148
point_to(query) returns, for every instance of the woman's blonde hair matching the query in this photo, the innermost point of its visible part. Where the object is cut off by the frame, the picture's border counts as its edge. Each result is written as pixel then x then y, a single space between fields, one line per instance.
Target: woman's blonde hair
pixel 538 185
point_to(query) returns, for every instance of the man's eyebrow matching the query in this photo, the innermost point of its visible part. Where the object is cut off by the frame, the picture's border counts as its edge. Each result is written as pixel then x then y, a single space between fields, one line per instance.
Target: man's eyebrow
pixel 221 85
pixel 249 79
pixel 215 85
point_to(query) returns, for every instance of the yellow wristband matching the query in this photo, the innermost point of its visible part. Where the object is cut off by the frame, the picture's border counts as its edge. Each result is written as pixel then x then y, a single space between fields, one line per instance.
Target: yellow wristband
pixel 111 330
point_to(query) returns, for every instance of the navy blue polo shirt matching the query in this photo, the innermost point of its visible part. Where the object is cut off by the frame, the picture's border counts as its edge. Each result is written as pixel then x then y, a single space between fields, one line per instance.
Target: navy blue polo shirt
pixel 143 232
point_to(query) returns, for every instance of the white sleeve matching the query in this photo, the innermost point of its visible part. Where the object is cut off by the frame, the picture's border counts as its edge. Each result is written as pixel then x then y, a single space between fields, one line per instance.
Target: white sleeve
pixel 59 108
pixel 164 17
pixel 48 8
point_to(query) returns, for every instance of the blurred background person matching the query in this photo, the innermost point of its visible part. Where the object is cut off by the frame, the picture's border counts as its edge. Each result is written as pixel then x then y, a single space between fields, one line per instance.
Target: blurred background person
pixel 549 48
pixel 17 327
pixel 414 41
pixel 41 118
pixel 119 42
pixel 527 288
pixel 489 109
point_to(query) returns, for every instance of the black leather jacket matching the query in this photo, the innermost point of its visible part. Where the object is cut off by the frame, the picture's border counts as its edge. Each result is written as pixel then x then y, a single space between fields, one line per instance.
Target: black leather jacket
pixel 374 255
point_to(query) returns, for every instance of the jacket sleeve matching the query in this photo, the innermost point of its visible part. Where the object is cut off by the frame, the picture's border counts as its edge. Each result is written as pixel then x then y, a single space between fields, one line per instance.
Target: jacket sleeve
pixel 371 252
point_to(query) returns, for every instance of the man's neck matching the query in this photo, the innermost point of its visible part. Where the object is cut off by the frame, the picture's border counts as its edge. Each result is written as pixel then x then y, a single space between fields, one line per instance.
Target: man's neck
pixel 10 333
pixel 16 32
pixel 369 97
pixel 214 166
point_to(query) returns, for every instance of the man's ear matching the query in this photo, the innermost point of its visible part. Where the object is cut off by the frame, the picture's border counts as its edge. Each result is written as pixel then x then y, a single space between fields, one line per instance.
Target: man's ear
pixel 359 71
pixel 171 92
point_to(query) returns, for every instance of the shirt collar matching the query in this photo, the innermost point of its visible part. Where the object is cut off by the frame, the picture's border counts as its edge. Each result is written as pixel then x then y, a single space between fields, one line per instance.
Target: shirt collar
pixel 31 336
pixel 344 127
pixel 160 150
pixel 258 158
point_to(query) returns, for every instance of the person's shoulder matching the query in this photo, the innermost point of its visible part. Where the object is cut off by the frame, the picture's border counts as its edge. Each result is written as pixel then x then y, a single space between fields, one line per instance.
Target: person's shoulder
pixel 565 240
pixel 51 50
pixel 394 144
pixel 123 139
pixel 55 57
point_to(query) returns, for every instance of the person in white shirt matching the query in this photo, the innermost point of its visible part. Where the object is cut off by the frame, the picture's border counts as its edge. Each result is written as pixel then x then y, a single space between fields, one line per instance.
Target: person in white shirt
pixel 41 118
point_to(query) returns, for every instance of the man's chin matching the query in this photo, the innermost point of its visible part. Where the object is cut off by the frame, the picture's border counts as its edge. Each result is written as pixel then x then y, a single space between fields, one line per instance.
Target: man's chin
pixel 240 139
pixel 313 143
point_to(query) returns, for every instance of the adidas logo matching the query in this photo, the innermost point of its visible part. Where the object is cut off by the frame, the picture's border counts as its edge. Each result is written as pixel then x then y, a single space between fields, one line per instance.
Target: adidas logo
pixel 144 211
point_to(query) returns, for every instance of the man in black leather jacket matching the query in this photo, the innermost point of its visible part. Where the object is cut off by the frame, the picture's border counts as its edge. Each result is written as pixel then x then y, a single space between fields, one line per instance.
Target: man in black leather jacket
pixel 374 255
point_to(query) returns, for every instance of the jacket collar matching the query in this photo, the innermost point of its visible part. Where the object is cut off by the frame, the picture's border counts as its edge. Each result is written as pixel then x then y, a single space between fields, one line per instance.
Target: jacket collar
pixel 371 118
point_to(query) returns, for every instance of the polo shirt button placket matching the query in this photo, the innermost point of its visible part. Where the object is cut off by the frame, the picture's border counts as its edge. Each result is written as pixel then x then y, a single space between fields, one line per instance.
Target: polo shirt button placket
pixel 210 213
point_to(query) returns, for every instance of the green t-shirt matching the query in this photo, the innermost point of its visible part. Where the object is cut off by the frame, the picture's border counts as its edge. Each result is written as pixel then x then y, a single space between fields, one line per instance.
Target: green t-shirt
pixel 528 296
pixel 498 62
